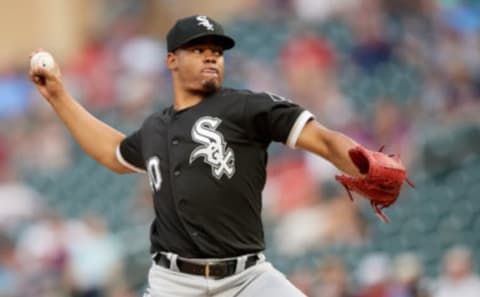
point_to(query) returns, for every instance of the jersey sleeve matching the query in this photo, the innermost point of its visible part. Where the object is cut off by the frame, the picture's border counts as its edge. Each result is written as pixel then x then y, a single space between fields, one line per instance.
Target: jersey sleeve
pixel 129 152
pixel 274 118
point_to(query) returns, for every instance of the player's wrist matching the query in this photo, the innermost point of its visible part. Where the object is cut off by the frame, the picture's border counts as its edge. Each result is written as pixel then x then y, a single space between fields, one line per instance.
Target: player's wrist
pixel 59 98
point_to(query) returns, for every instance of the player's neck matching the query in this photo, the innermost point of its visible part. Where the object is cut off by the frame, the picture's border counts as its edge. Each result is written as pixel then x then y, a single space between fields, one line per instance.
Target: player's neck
pixel 184 99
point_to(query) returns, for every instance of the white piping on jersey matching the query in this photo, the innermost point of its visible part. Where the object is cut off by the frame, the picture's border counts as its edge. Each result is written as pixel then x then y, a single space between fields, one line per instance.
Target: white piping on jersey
pixel 298 127
pixel 125 163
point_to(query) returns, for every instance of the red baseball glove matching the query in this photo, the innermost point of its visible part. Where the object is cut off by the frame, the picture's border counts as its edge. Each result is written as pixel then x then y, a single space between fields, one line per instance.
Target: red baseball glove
pixel 382 181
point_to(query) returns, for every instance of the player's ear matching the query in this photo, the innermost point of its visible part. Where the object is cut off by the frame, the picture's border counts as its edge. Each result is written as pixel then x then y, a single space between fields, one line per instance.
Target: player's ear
pixel 172 61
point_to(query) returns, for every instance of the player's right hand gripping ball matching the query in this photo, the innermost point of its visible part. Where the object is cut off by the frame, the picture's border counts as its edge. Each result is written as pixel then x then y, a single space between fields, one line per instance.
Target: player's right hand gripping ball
pixel 43 60
pixel 382 181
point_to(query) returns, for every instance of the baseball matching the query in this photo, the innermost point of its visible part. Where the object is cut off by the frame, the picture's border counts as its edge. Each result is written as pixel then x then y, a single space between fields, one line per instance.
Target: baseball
pixel 42 59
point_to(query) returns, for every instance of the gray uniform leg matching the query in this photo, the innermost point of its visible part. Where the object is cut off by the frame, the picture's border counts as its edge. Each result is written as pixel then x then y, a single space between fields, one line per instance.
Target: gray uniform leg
pixel 262 280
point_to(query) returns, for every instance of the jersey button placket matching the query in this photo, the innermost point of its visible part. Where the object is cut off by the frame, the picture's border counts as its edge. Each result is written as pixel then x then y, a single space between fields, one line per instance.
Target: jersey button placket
pixel 176 172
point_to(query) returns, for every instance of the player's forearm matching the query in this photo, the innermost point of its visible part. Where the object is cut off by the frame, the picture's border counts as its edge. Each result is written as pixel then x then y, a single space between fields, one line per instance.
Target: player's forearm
pixel 331 145
pixel 95 137
pixel 338 146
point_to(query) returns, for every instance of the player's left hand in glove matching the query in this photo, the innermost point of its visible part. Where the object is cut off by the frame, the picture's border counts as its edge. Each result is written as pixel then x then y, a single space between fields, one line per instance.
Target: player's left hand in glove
pixel 382 180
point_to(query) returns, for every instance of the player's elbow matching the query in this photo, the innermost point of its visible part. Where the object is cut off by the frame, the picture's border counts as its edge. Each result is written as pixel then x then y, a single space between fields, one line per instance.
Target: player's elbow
pixel 120 170
pixel 112 164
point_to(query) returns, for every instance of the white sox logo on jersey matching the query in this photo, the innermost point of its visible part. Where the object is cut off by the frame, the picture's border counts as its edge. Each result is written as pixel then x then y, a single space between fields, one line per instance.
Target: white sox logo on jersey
pixel 203 21
pixel 213 147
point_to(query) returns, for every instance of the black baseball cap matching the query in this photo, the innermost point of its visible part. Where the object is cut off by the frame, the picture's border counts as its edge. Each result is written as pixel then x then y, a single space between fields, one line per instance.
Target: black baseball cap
pixel 188 30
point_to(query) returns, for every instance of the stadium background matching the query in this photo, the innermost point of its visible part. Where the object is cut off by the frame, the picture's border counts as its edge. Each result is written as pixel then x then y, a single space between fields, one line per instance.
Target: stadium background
pixel 401 73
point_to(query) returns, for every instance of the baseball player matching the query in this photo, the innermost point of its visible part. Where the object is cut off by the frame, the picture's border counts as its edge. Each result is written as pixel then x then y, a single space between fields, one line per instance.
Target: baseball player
pixel 205 157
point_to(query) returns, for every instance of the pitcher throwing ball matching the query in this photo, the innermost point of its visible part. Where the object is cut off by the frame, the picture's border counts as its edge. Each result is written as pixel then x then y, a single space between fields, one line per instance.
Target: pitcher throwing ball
pixel 205 157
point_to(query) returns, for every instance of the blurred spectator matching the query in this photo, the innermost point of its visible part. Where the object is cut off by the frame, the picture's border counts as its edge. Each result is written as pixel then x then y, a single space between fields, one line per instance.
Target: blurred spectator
pixel 293 236
pixel 457 57
pixel 458 277
pixel 143 56
pixel 314 11
pixel 43 255
pixel 95 263
pixel 265 78
pixel 19 202
pixel 45 149
pixel 303 279
pixel 141 63
pixel 308 65
pixel 289 186
pixel 372 46
pixel 333 279
pixel 408 274
pixel 374 276
pixel 433 99
pixel 390 127
pixel 4 158
pixel 141 210
pixel 15 91
pixel 347 226
pixel 10 279
pixel 91 74
pixel 337 223
pixel 281 8
pixel 461 16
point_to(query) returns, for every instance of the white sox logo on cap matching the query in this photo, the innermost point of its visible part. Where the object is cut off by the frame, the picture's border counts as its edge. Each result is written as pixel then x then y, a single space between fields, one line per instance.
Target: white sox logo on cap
pixel 213 147
pixel 203 21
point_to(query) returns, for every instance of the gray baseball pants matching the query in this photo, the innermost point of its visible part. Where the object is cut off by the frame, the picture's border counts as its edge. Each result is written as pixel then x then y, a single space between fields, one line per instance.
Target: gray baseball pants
pixel 261 279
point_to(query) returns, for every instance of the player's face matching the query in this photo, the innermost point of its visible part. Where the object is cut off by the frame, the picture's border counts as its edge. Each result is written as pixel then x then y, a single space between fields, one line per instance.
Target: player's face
pixel 199 67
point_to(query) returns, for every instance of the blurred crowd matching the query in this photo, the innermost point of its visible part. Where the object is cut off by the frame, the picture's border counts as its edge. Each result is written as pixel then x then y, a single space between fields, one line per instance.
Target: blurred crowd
pixel 378 275
pixel 383 72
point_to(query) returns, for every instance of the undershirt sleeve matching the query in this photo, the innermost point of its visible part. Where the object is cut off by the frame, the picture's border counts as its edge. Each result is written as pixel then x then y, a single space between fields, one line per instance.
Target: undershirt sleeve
pixel 129 152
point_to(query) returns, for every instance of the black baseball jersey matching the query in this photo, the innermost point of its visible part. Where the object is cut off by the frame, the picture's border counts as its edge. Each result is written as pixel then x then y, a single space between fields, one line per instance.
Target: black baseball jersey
pixel 207 169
